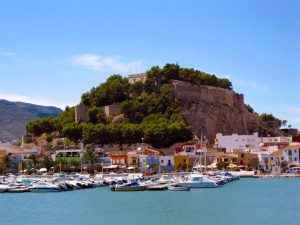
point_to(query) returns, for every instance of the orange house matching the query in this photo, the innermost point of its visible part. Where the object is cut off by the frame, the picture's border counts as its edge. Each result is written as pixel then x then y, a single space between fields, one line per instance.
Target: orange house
pixel 118 158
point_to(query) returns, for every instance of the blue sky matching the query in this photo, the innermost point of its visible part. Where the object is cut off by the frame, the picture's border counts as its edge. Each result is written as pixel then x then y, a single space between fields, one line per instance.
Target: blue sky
pixel 53 51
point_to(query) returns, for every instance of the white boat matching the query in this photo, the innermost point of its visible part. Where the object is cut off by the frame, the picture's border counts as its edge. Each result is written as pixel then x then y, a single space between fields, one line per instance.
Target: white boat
pixel 198 181
pixel 3 188
pixel 177 187
pixel 44 187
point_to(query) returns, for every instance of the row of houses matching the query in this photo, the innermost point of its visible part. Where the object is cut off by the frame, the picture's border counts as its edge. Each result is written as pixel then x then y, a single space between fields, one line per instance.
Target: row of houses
pixel 266 154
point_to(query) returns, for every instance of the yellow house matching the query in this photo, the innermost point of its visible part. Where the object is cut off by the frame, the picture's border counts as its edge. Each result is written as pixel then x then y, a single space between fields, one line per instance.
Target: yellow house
pixel 245 158
pixel 228 158
pixel 181 161
pixel 2 153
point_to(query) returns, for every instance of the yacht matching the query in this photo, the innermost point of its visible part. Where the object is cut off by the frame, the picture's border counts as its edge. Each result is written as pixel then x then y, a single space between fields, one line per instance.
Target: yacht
pixel 45 187
pixel 198 181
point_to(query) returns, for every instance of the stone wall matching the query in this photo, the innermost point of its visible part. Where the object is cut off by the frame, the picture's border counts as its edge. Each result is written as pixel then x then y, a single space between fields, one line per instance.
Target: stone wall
pixel 81 114
pixel 213 110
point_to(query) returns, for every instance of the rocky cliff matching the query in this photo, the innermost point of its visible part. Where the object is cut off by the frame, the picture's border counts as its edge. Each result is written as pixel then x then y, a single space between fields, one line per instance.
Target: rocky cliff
pixel 214 110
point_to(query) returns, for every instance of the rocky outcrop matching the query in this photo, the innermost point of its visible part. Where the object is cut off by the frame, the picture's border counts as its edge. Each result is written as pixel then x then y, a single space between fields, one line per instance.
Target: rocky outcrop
pixel 212 110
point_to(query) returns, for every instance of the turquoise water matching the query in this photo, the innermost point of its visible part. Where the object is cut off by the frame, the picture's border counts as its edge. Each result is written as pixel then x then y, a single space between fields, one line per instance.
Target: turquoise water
pixel 248 201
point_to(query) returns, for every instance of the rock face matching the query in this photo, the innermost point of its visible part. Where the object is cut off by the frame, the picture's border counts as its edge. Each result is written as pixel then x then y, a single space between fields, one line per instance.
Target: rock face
pixel 213 110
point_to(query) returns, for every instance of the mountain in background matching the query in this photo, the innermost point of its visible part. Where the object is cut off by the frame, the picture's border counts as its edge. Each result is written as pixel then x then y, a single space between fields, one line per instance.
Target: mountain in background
pixel 14 116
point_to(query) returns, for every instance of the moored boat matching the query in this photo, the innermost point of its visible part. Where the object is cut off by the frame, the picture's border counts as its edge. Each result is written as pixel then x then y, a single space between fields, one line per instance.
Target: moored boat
pixel 157 188
pixel 132 186
pixel 18 189
pixel 45 187
pixel 177 187
pixel 198 181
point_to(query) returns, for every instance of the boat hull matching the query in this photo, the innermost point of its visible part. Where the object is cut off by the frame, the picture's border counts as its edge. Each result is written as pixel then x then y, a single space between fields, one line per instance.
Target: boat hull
pixel 198 185
pixel 136 188
pixel 157 188
pixel 43 190
pixel 179 188
pixel 18 190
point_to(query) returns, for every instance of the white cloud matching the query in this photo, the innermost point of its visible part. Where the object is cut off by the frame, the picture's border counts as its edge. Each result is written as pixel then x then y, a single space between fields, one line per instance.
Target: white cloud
pixel 22 98
pixel 106 64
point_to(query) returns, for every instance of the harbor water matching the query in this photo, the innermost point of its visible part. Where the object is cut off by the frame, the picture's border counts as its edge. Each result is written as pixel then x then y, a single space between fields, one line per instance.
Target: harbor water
pixel 244 202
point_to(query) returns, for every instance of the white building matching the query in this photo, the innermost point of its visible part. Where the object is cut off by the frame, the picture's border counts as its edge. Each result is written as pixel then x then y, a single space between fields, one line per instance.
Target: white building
pixel 237 142
pixel 291 153
pixel 187 149
pixel 275 140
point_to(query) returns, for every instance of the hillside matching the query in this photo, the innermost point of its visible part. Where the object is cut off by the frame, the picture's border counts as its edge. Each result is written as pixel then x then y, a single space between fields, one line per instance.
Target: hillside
pixel 172 104
pixel 14 116
pixel 149 110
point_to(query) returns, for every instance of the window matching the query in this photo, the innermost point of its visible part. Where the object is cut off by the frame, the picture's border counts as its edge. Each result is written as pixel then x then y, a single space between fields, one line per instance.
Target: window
pixel 271 158
pixel 290 152
pixel 161 161
pixel 295 159
pixel 169 162
pixel 281 158
pixel 243 139
pixel 242 155
pixel 295 151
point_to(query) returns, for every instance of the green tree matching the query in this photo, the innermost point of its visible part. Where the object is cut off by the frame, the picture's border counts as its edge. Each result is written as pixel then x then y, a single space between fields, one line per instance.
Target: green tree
pixel 90 156
pixel 47 163
pixel 6 161
pixel 73 132
pixel 269 117
pixel 33 160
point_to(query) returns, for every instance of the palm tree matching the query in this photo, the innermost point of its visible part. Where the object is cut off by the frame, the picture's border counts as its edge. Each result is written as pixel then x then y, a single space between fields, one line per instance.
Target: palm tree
pixel 33 160
pixel 90 156
pixel 6 163
pixel 47 163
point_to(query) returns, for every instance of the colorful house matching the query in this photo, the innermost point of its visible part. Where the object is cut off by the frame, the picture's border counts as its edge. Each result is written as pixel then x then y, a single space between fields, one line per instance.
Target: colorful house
pixel 149 164
pixel 105 161
pixel 2 154
pixel 166 162
pixel 181 162
pixel 133 158
pixel 119 158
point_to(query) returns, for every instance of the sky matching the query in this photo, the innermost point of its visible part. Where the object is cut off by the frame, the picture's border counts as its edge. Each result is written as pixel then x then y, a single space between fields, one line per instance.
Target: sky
pixel 52 51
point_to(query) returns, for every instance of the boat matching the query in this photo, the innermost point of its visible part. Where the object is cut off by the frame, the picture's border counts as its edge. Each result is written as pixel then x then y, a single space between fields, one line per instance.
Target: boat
pixel 198 181
pixel 131 186
pixel 18 189
pixel 45 187
pixel 3 188
pixel 177 187
pixel 157 188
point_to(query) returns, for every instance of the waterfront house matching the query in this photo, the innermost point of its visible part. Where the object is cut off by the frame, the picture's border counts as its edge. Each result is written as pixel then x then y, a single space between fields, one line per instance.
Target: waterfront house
pixel 119 158
pixel 247 159
pixel 133 158
pixel 228 158
pixel 2 154
pixel 149 164
pixel 292 154
pixel 166 163
pixel 69 155
pixel 181 162
pixel 187 149
pixel 235 141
